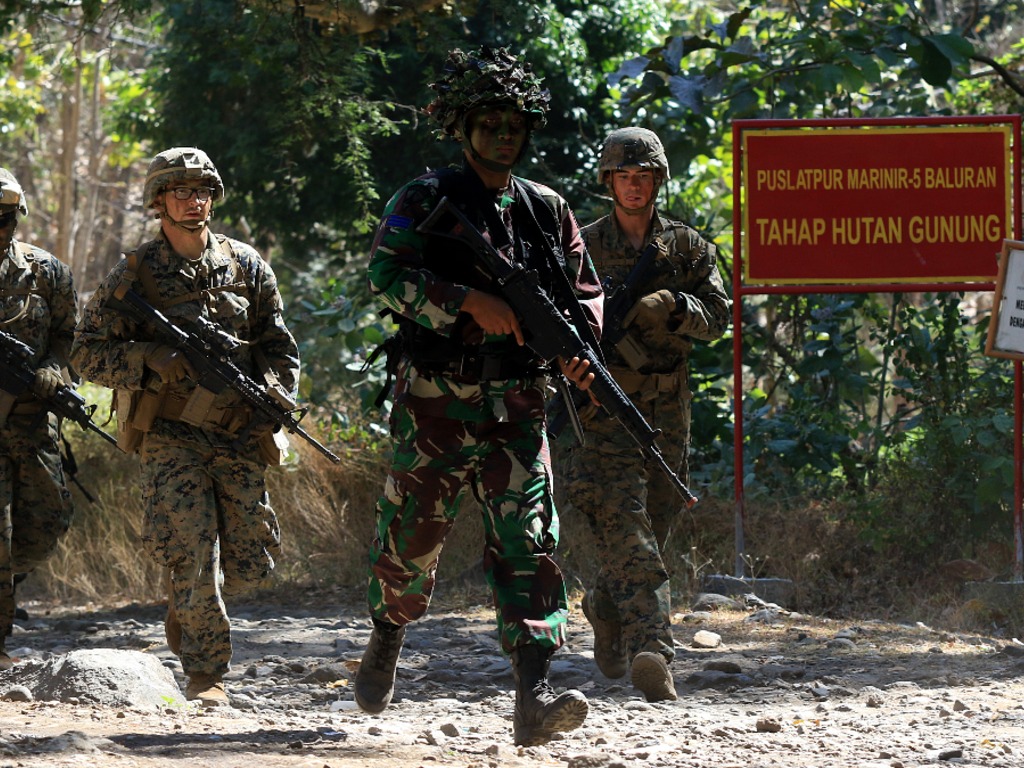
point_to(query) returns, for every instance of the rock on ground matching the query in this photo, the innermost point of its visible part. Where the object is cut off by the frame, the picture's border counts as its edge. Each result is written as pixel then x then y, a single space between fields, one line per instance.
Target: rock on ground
pixel 779 690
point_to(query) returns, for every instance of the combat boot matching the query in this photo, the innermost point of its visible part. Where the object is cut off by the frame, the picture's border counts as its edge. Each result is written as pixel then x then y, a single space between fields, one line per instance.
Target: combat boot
pixel 608 653
pixel 172 627
pixel 651 675
pixel 540 712
pixel 375 680
pixel 6 662
pixel 208 690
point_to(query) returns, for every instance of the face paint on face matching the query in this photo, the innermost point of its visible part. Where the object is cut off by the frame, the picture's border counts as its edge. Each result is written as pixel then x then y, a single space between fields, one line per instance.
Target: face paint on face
pixel 498 134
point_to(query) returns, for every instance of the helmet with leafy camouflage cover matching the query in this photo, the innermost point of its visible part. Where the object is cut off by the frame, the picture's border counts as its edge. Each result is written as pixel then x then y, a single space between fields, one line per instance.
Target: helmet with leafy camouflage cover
pixel 485 78
pixel 11 193
pixel 178 164
pixel 632 148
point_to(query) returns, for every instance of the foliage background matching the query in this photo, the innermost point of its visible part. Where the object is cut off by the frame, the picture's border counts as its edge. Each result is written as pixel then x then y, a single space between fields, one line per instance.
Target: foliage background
pixel 879 437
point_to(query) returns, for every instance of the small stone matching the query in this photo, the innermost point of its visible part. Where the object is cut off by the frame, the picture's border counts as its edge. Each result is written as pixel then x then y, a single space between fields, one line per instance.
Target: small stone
pixel 17 693
pixel 705 639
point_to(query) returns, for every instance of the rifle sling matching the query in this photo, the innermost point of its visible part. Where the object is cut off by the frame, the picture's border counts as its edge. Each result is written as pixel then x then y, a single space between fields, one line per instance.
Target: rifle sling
pixel 562 287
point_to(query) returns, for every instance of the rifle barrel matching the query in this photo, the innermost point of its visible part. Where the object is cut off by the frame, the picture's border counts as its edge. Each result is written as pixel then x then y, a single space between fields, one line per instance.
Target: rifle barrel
pixel 549 334
pixel 221 368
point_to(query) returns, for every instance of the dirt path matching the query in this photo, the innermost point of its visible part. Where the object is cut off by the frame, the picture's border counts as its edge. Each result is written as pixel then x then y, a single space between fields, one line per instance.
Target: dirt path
pixel 780 691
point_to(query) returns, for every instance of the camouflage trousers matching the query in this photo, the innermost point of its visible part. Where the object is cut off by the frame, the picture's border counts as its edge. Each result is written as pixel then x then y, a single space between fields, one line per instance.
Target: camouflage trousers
pixel 506 462
pixel 630 507
pixel 35 504
pixel 208 520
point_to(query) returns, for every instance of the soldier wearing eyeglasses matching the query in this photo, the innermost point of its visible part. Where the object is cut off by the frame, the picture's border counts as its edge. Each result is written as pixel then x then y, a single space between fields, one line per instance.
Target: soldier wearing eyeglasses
pixel 38 308
pixel 207 520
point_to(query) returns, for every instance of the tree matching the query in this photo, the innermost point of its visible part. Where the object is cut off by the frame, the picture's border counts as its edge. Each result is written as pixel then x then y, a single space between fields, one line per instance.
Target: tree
pixel 62 73
pixel 867 394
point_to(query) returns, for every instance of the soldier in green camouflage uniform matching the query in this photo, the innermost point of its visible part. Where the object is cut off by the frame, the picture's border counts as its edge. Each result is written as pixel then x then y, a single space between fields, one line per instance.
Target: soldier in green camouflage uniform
pixel 469 399
pixel 208 518
pixel 629 507
pixel 39 308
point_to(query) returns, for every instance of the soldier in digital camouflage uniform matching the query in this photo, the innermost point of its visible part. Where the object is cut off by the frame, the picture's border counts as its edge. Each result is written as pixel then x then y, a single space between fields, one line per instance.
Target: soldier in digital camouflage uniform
pixel 38 307
pixel 469 399
pixel 629 505
pixel 208 519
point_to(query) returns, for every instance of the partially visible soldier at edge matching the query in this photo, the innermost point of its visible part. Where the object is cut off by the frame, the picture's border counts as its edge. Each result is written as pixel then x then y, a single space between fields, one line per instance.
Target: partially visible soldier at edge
pixel 39 308
pixel 469 396
pixel 629 506
pixel 207 518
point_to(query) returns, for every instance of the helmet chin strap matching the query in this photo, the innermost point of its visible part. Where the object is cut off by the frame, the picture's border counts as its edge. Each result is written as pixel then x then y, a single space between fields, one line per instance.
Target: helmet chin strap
pixel 192 227
pixel 490 165
pixel 634 211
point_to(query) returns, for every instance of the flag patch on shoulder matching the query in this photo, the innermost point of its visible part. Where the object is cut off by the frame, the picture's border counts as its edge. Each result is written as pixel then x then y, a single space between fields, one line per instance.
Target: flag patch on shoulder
pixel 394 221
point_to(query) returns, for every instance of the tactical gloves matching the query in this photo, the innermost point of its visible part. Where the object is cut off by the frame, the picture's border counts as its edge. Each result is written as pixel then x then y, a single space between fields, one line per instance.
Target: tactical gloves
pixel 47 382
pixel 170 364
pixel 654 309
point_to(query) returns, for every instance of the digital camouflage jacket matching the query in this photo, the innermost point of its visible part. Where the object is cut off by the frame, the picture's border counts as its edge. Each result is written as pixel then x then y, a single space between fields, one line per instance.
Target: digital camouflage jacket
pixel 38 305
pixel 690 271
pixel 230 285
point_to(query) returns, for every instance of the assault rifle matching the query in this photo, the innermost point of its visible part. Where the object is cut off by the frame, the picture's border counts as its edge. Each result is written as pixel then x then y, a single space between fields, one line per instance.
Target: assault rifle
pixel 618 300
pixel 547 331
pixel 209 351
pixel 17 376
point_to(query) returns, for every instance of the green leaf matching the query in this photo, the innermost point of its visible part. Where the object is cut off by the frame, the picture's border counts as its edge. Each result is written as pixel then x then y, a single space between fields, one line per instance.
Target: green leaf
pixel 629 70
pixel 689 92
pixel 866 65
pixel 936 68
pixel 953 47
pixel 736 21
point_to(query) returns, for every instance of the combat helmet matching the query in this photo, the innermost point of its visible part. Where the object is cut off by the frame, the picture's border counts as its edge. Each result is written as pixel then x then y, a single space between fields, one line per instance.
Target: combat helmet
pixel 11 193
pixel 177 164
pixel 632 148
pixel 486 77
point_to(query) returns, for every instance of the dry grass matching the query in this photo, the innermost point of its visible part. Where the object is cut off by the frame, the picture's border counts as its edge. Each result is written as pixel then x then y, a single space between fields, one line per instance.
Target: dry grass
pixel 326 514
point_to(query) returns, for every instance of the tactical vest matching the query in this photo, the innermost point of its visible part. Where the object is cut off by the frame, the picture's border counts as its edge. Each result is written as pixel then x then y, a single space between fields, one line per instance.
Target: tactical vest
pixel 26 253
pixel 434 354
pixel 137 409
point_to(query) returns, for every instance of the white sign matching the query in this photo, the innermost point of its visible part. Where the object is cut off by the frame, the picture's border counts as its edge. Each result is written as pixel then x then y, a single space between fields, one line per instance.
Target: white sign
pixel 1006 331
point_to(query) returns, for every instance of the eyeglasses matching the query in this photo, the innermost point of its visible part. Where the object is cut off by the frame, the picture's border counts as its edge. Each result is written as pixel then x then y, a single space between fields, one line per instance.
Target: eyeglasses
pixel 7 219
pixel 185 193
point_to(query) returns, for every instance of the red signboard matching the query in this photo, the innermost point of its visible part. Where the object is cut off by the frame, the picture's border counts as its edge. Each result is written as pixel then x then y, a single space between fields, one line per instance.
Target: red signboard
pixel 875 204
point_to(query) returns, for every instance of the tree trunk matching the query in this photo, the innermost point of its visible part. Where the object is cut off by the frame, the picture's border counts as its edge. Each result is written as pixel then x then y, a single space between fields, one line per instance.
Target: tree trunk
pixel 70 111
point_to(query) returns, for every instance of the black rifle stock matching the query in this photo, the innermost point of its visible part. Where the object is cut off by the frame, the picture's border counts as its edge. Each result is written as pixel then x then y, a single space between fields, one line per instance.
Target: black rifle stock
pixel 17 376
pixel 618 300
pixel 208 350
pixel 549 334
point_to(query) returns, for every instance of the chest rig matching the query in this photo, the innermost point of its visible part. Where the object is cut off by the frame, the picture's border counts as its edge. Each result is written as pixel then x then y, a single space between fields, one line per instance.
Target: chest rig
pixel 138 409
pixel 35 286
pixel 435 355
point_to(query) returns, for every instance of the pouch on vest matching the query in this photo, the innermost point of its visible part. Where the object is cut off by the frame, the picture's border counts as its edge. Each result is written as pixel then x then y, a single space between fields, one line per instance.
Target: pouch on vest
pixel 198 406
pixel 129 434
pixel 633 352
pixel 273 448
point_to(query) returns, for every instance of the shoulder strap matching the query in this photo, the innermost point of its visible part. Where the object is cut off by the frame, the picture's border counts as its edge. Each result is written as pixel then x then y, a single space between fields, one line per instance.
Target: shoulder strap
pixel 224 245
pixel 560 280
pixel 137 270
